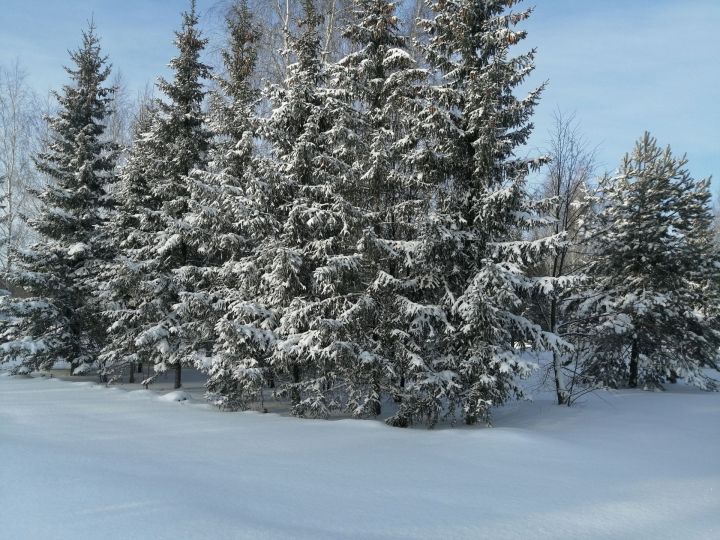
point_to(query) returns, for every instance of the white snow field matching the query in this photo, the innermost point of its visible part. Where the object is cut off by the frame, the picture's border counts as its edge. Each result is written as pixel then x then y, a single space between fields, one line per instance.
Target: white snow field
pixel 81 461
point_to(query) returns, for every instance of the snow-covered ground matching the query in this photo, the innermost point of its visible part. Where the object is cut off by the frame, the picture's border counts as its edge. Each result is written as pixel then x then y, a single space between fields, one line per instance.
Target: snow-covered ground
pixel 81 461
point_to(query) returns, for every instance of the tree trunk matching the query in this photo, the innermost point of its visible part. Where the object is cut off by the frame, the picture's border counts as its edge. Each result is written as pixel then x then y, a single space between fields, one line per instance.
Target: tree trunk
pixel 295 394
pixel 560 387
pixel 131 380
pixel 178 376
pixel 560 384
pixel 397 398
pixel 634 355
pixel 376 406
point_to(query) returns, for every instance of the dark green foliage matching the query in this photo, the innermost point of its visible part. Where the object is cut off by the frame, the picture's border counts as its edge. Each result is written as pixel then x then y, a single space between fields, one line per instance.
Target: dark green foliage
pixel 159 249
pixel 60 319
pixel 653 298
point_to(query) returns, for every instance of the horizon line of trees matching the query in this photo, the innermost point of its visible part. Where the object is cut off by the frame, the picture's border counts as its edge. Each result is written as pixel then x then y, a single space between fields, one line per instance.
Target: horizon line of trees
pixel 357 236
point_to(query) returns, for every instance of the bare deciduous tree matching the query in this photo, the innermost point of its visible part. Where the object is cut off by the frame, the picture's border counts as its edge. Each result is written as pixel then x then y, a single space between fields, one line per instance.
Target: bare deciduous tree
pixel 278 20
pixel 568 186
pixel 19 133
pixel 119 122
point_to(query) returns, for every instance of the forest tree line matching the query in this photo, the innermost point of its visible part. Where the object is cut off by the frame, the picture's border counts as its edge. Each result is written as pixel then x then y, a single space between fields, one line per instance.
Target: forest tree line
pixel 339 215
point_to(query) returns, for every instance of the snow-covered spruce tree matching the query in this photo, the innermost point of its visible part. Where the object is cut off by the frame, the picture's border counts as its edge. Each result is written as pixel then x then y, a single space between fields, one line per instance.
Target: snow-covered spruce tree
pixel 653 301
pixel 467 316
pixel 228 210
pixel 307 270
pixel 385 85
pixel 128 229
pixel 160 244
pixel 60 320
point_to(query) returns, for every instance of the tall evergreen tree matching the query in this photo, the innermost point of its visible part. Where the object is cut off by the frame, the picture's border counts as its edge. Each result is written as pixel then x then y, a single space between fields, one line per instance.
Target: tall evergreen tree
pixel 160 245
pixel 59 320
pixel 304 267
pixel 653 301
pixel 466 314
pixel 388 182
pixel 228 212
pixel 128 229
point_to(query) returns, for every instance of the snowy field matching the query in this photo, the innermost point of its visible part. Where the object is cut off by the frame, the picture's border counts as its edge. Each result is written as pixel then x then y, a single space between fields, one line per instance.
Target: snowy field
pixel 81 461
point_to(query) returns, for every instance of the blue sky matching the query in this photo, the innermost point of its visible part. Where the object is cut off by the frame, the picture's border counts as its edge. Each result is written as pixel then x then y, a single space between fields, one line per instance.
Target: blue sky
pixel 622 66
pixel 625 66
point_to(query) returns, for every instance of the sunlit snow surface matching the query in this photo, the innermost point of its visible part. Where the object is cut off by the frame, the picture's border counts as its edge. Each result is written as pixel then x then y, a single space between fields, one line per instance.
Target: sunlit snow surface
pixel 80 461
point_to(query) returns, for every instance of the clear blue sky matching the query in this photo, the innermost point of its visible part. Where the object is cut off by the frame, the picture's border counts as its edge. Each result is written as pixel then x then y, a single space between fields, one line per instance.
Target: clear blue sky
pixel 622 66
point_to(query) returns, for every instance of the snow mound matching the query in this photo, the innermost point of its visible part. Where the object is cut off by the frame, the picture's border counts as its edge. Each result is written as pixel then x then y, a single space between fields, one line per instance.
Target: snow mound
pixel 177 395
